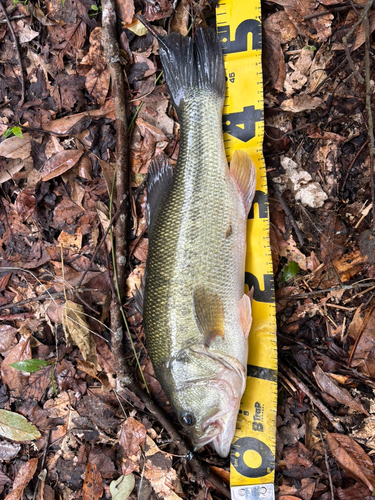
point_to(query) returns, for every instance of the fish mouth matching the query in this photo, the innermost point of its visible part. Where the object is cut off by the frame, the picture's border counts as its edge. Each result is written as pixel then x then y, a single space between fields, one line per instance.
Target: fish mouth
pixel 218 432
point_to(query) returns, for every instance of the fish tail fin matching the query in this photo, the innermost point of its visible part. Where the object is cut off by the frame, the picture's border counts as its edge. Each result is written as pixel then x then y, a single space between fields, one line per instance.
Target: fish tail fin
pixel 190 65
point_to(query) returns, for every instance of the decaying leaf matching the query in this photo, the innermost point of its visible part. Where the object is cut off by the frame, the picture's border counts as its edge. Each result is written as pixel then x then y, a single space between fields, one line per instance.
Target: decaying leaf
pixel 22 479
pixel 330 386
pixel 15 427
pixel 14 379
pixel 16 147
pixel 159 471
pixel 351 457
pixel 77 331
pixel 93 483
pixel 132 437
pixel 125 10
pixel 122 487
pixel 60 163
pixel 181 18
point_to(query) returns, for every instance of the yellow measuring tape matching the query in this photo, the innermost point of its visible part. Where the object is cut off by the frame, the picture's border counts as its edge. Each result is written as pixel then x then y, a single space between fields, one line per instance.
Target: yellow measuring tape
pixel 253 450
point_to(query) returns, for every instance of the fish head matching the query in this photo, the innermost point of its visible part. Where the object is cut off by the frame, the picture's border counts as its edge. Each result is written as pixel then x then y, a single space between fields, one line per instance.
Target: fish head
pixel 206 393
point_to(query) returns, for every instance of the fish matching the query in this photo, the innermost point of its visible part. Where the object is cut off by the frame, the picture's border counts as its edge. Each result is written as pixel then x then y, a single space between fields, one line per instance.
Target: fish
pixel 196 315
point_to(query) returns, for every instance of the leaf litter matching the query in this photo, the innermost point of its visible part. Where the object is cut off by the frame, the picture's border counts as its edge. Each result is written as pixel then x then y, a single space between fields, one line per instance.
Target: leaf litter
pixel 56 176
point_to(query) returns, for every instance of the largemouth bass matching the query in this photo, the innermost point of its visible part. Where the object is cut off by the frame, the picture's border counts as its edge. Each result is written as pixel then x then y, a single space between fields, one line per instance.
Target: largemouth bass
pixel 196 315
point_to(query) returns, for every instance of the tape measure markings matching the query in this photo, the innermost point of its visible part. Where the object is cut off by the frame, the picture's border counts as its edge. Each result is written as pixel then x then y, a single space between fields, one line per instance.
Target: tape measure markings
pixel 253 451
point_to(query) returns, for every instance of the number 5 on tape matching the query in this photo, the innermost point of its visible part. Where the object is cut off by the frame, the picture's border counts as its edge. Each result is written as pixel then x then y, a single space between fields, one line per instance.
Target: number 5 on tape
pixel 253 449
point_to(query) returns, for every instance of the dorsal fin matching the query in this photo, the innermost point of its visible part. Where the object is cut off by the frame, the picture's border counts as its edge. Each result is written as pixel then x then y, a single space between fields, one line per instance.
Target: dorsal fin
pixel 243 171
pixel 159 178
pixel 209 314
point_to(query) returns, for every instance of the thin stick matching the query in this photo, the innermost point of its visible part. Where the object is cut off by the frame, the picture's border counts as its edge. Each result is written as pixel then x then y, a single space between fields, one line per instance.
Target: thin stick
pixel 366 10
pixel 288 213
pixel 14 18
pixel 327 465
pixel 99 246
pixel 303 388
pixel 352 163
pixel 17 47
pixel 112 54
pixel 369 114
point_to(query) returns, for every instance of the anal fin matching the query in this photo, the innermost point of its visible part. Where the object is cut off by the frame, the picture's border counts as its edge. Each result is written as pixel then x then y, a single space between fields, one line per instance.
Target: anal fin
pixel 243 171
pixel 159 178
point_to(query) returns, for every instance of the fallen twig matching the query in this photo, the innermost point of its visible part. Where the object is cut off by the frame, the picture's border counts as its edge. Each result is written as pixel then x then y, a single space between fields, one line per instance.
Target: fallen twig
pixel 363 16
pixel 17 47
pixel 289 214
pixel 303 388
pixel 327 465
pixel 111 50
pixel 370 125
pixel 352 163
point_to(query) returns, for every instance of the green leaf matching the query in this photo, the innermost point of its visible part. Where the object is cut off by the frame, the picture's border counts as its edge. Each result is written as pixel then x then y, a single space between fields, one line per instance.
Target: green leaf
pixel 17 131
pixel 94 7
pixel 15 427
pixel 53 380
pixel 290 270
pixel 7 133
pixel 30 365
pixel 122 487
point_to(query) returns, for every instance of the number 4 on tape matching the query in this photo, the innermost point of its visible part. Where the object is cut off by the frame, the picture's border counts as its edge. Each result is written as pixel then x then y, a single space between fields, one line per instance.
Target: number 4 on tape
pixel 253 449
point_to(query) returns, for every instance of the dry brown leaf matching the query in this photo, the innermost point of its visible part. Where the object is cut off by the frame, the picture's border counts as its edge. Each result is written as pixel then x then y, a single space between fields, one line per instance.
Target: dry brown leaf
pixel 301 102
pixel 154 131
pixel 274 62
pixel 93 483
pixel 180 20
pixel 95 56
pixel 132 437
pixel 7 338
pixel 351 458
pixel 319 64
pixel 14 379
pixel 135 279
pixel 16 147
pixel 60 163
pixel 279 22
pixel 37 384
pixel 125 10
pixel 97 84
pixel 77 331
pixel 360 32
pixel 140 251
pixel 63 125
pixel 25 32
pixel 159 471
pixel 343 396
pixel 158 9
pixel 72 241
pixel 22 479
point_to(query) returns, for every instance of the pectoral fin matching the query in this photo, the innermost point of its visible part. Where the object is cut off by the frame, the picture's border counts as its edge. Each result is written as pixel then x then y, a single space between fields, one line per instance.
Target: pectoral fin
pixel 209 314
pixel 243 171
pixel 245 314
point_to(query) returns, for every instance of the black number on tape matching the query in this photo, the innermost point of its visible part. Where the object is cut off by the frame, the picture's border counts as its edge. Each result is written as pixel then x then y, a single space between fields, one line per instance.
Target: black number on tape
pixel 239 44
pixel 261 200
pixel 266 295
pixel 242 125
pixel 237 458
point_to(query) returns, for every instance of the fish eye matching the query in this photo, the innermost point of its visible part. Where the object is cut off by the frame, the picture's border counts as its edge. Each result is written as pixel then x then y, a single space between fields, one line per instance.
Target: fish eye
pixel 188 419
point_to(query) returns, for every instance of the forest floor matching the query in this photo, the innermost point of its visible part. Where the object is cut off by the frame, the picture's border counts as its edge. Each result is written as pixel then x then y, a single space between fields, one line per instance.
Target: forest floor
pixel 65 431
